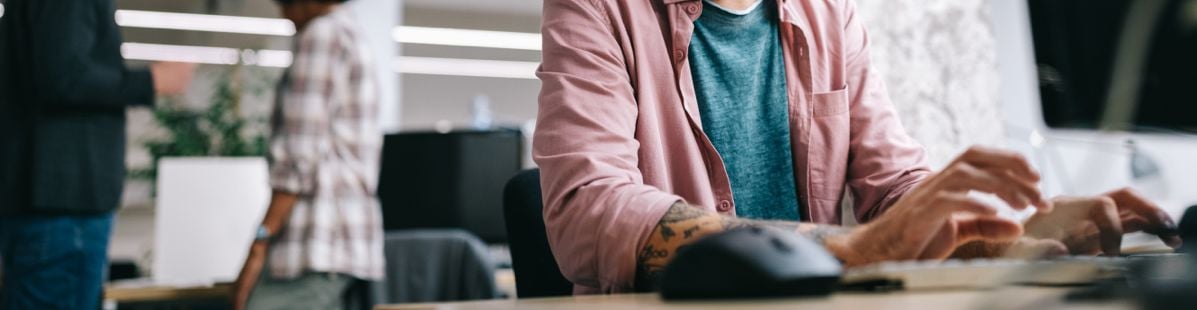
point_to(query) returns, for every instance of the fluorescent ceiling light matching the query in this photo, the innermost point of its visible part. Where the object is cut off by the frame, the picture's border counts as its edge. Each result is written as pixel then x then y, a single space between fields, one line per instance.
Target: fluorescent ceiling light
pixel 467 37
pixel 283 59
pixel 283 27
pixel 195 54
pixel 205 22
pixel 274 58
pixel 205 55
pixel 1 10
pixel 466 67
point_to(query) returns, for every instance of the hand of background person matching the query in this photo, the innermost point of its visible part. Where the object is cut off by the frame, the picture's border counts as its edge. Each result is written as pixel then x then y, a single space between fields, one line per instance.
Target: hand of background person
pixel 248 277
pixel 171 78
pixel 937 216
pixel 1093 225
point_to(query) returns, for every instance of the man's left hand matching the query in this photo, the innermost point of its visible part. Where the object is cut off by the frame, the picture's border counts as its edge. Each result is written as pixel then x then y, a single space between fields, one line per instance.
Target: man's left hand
pixel 248 278
pixel 1093 225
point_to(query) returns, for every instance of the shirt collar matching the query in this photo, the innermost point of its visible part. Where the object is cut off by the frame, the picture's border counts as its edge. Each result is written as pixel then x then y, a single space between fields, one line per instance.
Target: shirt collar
pixel 678 1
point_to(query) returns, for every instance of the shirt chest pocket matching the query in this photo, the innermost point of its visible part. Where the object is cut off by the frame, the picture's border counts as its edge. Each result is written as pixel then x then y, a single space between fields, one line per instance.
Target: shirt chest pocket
pixel 830 132
pixel 830 103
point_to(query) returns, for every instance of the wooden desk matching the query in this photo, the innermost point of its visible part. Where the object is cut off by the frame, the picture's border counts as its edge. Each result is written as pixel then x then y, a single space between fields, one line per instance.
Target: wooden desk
pixel 1006 298
pixel 137 294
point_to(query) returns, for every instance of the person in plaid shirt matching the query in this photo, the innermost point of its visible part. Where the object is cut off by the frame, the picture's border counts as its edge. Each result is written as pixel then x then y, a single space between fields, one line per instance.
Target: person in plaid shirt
pixel 323 229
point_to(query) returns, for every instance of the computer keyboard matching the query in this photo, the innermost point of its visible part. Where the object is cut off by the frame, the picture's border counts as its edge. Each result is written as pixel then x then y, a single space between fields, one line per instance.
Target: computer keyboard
pixel 985 273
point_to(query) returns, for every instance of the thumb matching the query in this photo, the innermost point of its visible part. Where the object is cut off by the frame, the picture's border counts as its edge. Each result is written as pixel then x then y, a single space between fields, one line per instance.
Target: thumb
pixel 986 228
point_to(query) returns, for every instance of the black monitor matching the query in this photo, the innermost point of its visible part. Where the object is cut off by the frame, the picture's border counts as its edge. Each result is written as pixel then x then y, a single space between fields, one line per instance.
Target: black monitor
pixel 1094 55
pixel 449 180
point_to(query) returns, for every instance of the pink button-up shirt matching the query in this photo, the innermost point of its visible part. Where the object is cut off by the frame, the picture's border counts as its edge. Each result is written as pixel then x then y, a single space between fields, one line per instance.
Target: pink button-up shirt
pixel 619 138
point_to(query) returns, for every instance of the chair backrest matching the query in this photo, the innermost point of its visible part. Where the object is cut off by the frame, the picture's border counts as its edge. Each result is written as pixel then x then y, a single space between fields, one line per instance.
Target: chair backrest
pixel 436 265
pixel 536 271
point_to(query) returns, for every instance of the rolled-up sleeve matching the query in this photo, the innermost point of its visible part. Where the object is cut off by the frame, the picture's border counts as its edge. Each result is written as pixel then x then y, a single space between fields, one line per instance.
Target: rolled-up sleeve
pixel 885 162
pixel 302 115
pixel 598 211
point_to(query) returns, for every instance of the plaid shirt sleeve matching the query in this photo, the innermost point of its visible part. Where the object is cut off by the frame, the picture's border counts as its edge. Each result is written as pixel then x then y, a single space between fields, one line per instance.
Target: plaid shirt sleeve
pixel 302 114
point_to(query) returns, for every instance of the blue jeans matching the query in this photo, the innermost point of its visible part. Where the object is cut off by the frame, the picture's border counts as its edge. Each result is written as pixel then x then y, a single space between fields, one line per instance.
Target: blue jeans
pixel 54 262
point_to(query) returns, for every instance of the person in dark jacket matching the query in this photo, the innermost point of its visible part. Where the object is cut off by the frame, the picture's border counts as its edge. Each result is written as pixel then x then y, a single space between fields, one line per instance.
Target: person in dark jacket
pixel 64 88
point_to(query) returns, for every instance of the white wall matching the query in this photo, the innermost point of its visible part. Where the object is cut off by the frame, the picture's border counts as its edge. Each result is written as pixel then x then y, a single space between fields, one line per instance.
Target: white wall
pixel 377 18
pixel 938 58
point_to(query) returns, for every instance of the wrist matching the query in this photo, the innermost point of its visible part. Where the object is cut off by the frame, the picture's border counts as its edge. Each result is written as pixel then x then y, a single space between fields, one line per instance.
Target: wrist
pixel 258 249
pixel 982 249
pixel 841 247
pixel 263 234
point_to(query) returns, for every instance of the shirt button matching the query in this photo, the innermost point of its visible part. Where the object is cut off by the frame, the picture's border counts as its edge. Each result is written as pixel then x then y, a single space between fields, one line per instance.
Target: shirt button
pixel 692 9
pixel 724 206
pixel 678 55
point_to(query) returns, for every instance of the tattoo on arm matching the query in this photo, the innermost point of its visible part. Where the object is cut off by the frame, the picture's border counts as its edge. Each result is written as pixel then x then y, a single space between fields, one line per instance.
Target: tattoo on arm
pixel 694 223
pixel 733 223
pixel 664 241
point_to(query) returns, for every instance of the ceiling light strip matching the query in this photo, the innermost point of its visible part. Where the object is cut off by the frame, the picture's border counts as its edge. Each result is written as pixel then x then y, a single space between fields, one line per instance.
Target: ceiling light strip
pixel 193 54
pixel 205 22
pixel 283 59
pixel 283 27
pixel 467 37
pixel 466 67
pixel 205 55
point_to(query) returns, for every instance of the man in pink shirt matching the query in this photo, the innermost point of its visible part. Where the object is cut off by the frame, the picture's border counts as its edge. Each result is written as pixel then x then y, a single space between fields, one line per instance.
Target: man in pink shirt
pixel 642 127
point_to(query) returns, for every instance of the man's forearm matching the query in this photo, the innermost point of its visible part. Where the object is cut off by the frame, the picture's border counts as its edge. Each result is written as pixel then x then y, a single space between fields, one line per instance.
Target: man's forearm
pixel 281 204
pixel 683 224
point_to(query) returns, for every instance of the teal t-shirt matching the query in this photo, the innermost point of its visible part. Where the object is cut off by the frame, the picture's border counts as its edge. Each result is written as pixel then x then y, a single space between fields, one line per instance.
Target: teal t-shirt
pixel 739 77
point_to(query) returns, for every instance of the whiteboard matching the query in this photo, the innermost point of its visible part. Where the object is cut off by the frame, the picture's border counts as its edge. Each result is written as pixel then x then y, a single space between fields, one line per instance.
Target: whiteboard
pixel 207 210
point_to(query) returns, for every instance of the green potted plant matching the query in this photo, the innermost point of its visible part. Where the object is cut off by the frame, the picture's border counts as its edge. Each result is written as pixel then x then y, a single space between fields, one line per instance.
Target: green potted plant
pixel 219 130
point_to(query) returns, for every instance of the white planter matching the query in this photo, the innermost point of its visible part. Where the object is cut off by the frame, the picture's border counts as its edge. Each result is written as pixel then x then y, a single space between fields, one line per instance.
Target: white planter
pixel 207 211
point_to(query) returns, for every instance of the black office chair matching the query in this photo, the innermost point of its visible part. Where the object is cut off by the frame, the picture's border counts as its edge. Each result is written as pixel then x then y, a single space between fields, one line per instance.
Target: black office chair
pixel 536 272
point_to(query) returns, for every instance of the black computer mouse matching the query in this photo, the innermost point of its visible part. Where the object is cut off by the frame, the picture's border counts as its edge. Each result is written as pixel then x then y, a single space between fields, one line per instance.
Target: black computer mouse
pixel 1168 281
pixel 1188 231
pixel 750 263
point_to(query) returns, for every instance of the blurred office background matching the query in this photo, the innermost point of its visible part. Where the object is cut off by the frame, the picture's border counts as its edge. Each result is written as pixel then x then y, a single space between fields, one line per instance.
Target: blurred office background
pixel 938 57
pixel 942 60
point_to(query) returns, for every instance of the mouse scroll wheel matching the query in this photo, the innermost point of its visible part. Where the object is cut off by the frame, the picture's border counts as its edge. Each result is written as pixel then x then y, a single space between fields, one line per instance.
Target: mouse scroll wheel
pixel 780 245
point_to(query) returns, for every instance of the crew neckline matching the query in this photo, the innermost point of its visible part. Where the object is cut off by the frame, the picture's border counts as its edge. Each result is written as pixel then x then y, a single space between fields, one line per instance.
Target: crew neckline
pixel 743 12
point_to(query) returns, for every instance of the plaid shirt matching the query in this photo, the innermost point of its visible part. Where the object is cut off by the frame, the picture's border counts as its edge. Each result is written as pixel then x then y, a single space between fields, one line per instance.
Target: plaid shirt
pixel 325 147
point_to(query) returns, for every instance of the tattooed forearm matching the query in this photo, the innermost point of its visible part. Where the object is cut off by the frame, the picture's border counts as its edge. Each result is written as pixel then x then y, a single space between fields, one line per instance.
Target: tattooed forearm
pixel 664 241
pixel 683 224
pixel 733 223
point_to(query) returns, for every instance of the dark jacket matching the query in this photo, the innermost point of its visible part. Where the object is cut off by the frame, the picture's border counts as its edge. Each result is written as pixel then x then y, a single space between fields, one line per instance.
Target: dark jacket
pixel 64 88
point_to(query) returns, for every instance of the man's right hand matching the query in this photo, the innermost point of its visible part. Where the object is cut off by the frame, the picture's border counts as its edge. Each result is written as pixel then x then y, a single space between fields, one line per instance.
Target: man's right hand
pixel 171 78
pixel 937 216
